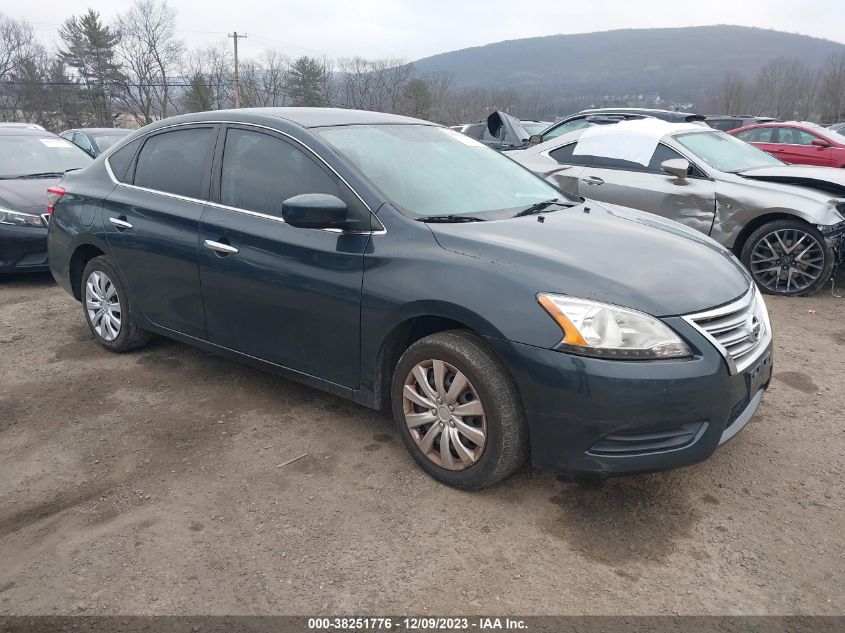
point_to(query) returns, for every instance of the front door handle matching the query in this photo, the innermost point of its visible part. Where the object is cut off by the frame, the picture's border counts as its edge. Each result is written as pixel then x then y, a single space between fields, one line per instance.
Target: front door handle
pixel 220 247
pixel 592 180
pixel 120 223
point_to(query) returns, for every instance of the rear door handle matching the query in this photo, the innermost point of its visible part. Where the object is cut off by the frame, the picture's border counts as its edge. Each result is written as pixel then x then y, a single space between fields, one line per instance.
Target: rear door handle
pixel 592 180
pixel 120 223
pixel 220 247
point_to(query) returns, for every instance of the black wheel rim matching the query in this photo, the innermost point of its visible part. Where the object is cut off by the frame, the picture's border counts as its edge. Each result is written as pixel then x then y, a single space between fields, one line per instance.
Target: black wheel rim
pixel 787 261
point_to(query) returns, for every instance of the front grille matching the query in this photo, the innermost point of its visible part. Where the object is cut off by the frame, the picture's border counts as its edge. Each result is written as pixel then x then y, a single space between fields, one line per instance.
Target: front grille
pixel 740 330
pixel 621 444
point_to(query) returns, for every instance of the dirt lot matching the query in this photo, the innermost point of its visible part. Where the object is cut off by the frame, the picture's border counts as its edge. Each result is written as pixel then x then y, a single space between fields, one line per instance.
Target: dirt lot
pixel 150 483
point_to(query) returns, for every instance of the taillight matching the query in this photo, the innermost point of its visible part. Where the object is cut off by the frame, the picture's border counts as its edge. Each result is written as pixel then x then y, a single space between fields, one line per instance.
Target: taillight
pixel 54 194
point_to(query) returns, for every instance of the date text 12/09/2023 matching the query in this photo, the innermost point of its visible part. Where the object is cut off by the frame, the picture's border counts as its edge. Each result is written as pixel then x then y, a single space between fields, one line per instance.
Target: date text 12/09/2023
pixel 416 624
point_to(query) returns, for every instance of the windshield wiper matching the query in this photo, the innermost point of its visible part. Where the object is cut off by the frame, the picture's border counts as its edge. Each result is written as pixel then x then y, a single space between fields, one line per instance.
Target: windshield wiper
pixel 44 174
pixel 537 207
pixel 450 218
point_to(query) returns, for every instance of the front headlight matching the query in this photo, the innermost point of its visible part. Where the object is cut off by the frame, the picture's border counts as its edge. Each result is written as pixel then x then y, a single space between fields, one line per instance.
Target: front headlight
pixel 17 218
pixel 607 331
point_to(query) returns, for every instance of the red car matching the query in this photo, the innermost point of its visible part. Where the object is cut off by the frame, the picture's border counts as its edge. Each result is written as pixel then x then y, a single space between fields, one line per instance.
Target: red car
pixel 797 143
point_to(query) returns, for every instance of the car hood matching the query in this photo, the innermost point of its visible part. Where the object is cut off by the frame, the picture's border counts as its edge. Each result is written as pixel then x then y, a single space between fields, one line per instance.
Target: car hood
pixel 612 254
pixel 515 135
pixel 827 179
pixel 29 196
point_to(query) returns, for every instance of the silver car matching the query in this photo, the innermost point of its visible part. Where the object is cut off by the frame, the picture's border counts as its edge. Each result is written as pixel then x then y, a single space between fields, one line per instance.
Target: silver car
pixel 785 222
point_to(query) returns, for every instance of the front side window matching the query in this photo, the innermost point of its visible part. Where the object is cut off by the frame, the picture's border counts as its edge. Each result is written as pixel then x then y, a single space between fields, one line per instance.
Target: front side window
pixel 23 156
pixel 82 141
pixel 176 162
pixel 426 170
pixel 662 153
pixel 757 135
pixel 794 136
pixel 261 171
pixel 724 152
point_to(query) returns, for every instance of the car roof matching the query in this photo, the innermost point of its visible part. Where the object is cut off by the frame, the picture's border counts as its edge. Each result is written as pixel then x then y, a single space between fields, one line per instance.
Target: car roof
pixel 25 131
pixel 303 117
pixel 654 112
pixel 658 128
pixel 100 130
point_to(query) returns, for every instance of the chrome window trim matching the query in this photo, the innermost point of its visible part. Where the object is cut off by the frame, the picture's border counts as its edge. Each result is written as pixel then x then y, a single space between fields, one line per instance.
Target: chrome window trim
pixel 734 306
pixel 381 231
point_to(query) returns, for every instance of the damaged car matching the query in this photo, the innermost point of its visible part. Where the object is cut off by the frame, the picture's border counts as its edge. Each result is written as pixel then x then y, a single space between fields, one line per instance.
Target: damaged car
pixel 410 268
pixel 785 222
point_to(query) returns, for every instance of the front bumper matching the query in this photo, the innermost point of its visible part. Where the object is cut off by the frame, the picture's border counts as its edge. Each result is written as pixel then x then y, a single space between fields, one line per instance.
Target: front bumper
pixel 23 249
pixel 604 417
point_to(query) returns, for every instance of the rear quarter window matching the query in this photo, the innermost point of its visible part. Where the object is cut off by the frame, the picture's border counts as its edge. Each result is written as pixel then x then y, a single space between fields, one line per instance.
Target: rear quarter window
pixel 120 160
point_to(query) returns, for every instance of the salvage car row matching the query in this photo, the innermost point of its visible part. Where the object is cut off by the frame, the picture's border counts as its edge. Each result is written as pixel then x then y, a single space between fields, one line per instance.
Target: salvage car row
pixel 501 316
pixel 784 221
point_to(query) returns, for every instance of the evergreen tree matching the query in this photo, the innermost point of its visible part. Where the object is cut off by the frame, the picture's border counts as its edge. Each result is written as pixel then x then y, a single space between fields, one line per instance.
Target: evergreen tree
pixel 200 95
pixel 89 47
pixel 418 99
pixel 305 81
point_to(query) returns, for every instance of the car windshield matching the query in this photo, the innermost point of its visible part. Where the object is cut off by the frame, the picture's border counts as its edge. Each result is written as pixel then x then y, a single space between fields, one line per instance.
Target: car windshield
pixel 22 156
pixel 105 140
pixel 724 152
pixel 833 135
pixel 534 127
pixel 432 171
pixel 564 128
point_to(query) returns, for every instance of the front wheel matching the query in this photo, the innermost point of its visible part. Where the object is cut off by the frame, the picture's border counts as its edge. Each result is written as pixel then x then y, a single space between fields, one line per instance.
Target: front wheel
pixel 788 258
pixel 458 411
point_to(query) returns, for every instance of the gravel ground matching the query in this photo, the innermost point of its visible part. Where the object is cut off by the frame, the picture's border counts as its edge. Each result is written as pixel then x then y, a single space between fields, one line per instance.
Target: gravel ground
pixel 152 483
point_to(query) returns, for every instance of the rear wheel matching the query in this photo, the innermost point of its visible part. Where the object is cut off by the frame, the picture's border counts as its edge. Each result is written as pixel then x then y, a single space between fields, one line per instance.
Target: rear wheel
pixel 108 310
pixel 458 411
pixel 788 258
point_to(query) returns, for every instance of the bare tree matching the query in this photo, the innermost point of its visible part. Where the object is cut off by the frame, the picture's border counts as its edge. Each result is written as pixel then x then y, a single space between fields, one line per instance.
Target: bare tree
pixel 17 44
pixel 785 89
pixel 831 95
pixel 392 76
pixel 16 38
pixel 730 95
pixel 150 53
pixel 216 65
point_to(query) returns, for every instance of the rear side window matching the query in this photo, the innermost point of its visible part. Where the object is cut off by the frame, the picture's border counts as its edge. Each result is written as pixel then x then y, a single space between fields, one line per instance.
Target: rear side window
pixel 757 135
pixel 261 171
pixel 122 159
pixel 176 162
pixel 564 156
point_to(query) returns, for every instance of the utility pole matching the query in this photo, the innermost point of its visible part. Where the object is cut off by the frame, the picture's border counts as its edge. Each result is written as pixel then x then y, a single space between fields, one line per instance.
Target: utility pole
pixel 236 37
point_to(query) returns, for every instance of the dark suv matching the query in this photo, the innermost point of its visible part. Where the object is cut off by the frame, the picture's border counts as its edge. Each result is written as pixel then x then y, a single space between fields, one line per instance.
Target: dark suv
pixel 404 265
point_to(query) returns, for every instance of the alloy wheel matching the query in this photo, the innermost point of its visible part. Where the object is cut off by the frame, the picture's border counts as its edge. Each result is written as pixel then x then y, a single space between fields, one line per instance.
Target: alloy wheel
pixel 102 305
pixel 444 414
pixel 787 261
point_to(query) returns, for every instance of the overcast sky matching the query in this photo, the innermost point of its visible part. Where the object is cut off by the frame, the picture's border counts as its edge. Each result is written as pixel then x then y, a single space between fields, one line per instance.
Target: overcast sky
pixel 418 28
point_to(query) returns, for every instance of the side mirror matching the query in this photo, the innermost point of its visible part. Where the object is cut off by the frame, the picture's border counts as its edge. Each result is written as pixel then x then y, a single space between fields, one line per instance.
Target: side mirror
pixel 535 139
pixel 677 167
pixel 820 143
pixel 315 211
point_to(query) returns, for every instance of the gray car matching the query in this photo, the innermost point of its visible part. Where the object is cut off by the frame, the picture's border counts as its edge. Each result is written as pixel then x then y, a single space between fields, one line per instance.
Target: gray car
pixel 785 222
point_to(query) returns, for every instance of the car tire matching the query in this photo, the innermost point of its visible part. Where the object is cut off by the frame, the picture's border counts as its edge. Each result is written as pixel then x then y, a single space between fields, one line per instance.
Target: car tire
pixel 108 310
pixel 480 449
pixel 776 269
